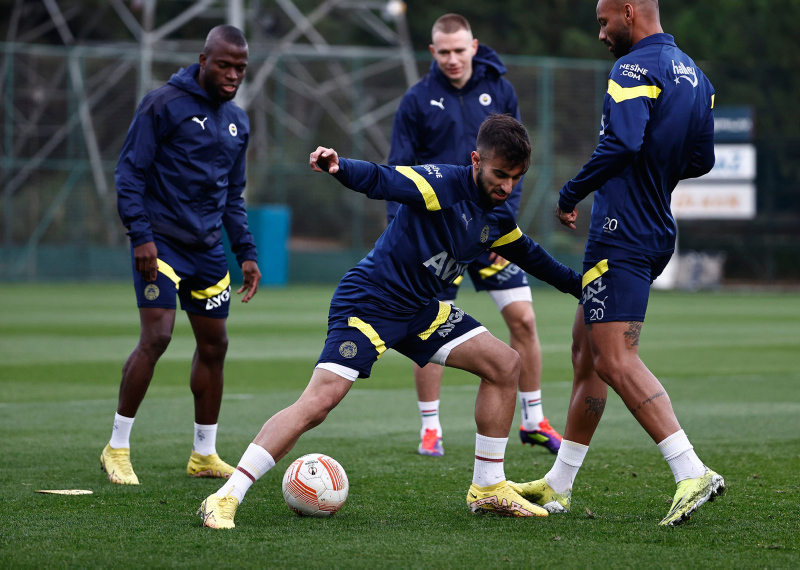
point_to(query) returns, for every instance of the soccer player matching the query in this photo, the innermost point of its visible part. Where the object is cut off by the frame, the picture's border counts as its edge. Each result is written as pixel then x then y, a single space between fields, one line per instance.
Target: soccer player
pixel 180 178
pixel 448 217
pixel 436 123
pixel 657 129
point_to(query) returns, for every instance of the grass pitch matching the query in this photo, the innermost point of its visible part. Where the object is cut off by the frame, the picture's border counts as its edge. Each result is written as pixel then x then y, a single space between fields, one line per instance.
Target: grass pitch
pixel 730 362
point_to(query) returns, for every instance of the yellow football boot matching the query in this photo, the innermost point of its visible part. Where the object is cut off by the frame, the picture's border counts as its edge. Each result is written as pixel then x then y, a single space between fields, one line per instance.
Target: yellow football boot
pixel 117 464
pixel 208 466
pixel 501 499
pixel 691 494
pixel 218 512
pixel 540 493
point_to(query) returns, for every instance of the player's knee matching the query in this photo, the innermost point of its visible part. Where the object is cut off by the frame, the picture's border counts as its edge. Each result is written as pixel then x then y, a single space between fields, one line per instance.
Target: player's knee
pixel 523 328
pixel 506 367
pixel 213 349
pixel 607 368
pixel 154 343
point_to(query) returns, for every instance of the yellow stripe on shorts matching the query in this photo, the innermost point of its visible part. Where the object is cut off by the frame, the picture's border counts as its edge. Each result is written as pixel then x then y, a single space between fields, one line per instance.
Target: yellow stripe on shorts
pixel 369 332
pixel 431 201
pixel 594 273
pixel 619 93
pixel 214 290
pixel 457 281
pixel 511 236
pixel 493 269
pixel 167 270
pixel 444 312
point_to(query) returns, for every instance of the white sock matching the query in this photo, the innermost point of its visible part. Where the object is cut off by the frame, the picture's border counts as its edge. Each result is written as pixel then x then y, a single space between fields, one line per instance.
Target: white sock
pixel 429 412
pixel 681 457
pixel 205 439
pixel 121 434
pixel 531 406
pixel 255 462
pixel 570 458
pixel 489 457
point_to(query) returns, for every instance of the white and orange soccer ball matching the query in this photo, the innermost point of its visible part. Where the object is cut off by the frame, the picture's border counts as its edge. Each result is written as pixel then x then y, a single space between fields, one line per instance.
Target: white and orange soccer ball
pixel 315 485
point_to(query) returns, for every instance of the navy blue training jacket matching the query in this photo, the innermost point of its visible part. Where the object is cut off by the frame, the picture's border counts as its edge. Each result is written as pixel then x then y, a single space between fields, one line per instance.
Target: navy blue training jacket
pixel 438 124
pixel 442 227
pixel 657 129
pixel 181 172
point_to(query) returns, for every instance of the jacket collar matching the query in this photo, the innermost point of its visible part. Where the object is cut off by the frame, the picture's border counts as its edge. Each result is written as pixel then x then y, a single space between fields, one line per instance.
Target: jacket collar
pixel 186 80
pixel 655 39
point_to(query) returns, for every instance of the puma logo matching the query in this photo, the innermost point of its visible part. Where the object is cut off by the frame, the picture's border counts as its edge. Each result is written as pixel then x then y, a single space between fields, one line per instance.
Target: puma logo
pixel 466 221
pixel 439 103
pixel 599 302
pixel 199 122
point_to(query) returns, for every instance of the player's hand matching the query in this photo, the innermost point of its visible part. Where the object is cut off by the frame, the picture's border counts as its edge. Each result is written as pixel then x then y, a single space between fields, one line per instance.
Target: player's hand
pixel 324 160
pixel 252 276
pixel 567 218
pixel 496 258
pixel 145 259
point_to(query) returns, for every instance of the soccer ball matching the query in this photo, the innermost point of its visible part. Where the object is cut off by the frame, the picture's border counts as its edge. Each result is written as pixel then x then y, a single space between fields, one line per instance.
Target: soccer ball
pixel 315 485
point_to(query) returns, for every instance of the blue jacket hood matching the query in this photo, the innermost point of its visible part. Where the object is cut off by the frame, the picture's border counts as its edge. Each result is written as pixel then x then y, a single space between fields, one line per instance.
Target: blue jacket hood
pixel 186 80
pixel 485 62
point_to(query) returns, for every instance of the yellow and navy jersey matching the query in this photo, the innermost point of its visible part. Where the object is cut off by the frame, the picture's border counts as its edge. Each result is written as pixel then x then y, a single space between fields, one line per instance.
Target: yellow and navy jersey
pixel 441 226
pixel 657 128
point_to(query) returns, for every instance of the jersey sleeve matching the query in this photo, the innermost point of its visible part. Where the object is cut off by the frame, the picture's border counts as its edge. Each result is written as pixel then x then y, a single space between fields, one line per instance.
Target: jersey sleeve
pixel 130 176
pixel 702 159
pixel 430 187
pixel 235 216
pixel 535 260
pixel 631 94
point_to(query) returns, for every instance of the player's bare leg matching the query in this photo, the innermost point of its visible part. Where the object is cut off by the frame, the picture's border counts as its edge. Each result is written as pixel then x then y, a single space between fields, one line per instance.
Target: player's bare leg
pixel 207 366
pixel 615 351
pixel 154 337
pixel 497 365
pixel 206 383
pixel 428 380
pixel 535 429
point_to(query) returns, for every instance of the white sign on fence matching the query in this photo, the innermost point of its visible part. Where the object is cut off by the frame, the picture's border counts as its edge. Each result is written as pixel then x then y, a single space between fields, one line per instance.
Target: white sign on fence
pixel 714 201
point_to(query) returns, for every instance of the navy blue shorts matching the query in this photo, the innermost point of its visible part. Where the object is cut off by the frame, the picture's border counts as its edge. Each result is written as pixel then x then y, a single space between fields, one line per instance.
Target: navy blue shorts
pixel 199 278
pixel 616 283
pixel 487 276
pixel 359 333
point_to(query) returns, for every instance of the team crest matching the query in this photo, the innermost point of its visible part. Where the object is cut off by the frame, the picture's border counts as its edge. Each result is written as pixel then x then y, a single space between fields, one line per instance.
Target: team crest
pixel 151 292
pixel 232 130
pixel 484 234
pixel 348 349
pixel 485 99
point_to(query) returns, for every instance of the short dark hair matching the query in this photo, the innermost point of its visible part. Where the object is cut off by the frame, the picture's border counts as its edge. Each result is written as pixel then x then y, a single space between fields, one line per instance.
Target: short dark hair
pixel 504 137
pixel 450 24
pixel 225 33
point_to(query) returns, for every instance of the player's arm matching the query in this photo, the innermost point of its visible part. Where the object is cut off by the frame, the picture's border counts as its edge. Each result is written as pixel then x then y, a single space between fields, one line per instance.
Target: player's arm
pixel 702 160
pixel 535 260
pixel 404 142
pixel 234 218
pixel 630 103
pixel 431 189
pixel 130 176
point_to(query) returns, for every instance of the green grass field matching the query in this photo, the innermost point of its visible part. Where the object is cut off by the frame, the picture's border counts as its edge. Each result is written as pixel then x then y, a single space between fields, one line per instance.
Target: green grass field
pixel 730 362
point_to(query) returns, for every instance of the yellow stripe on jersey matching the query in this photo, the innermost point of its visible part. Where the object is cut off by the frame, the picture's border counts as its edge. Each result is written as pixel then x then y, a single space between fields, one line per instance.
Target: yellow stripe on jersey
pixel 431 201
pixel 444 312
pixel 214 290
pixel 712 100
pixel 508 238
pixel 620 94
pixel 369 332
pixel 594 273
pixel 493 269
pixel 457 281
pixel 167 270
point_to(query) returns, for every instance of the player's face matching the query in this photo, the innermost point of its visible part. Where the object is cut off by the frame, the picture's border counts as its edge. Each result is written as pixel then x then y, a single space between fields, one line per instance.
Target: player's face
pixel 495 178
pixel 454 53
pixel 222 70
pixel 615 30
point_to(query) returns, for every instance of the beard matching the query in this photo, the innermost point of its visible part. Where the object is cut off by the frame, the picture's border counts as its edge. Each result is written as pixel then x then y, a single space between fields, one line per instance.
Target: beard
pixel 487 202
pixel 622 43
